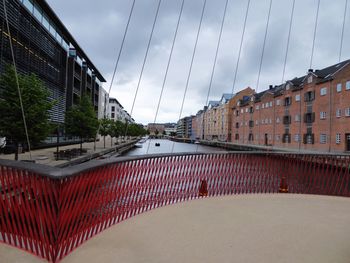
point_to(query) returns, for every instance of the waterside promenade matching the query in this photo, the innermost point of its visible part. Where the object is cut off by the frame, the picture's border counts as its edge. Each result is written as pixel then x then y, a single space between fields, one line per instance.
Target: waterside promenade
pixel 242 228
pixel 91 150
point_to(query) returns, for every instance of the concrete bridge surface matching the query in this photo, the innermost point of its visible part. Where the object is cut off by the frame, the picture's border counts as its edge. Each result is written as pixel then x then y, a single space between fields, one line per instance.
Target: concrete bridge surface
pixel 281 228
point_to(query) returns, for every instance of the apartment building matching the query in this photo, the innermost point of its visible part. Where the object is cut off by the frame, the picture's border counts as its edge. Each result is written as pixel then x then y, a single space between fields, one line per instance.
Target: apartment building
pixel 43 45
pixel 311 112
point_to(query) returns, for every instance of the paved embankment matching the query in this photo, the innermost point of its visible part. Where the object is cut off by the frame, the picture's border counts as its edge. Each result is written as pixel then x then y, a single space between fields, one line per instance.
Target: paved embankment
pixel 92 150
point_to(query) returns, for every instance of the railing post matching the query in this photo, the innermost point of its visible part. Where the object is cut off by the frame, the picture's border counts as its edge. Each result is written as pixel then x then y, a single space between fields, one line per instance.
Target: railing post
pixel 203 189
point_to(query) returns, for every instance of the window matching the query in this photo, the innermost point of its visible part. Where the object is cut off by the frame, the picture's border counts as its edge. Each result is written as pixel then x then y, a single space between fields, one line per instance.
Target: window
pixel 256 122
pixel 113 108
pixel 112 115
pixel 323 115
pixel 323 91
pixel 287 86
pixel 257 107
pixel 38 12
pixel 242 111
pixel 309 79
pixel 347 85
pixel 347 112
pixel 270 121
pixel 286 119
pixel 278 120
pixel 28 4
pixel 278 102
pixel 251 110
pixel 309 117
pixel 251 124
pixel 237 112
pixel 339 87
pixel 297 118
pixel 287 101
pixel 309 96
pixel 338 113
pixel 337 138
pixel 297 137
pixel 297 97
pixel 323 138
pixel 309 138
pixel 267 105
pixel 251 137
pixel 246 110
pixel 278 137
pixel 46 22
pixel 262 121
pixel 237 124
pixel 263 106
pixel 266 121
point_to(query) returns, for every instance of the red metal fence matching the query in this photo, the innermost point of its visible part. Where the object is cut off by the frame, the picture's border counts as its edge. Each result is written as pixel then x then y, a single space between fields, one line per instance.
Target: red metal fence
pixel 50 211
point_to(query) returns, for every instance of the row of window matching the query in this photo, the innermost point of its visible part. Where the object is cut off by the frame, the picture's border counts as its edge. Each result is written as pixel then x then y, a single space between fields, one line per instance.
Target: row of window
pixel 308 138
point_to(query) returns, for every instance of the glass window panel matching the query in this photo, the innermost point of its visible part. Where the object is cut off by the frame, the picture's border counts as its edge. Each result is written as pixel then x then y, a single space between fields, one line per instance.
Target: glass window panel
pixel 38 12
pixel 46 22
pixel 29 5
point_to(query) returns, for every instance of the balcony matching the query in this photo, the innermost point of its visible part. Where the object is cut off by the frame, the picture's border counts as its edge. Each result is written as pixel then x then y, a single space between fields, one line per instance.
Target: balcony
pixel 251 124
pixel 309 96
pixel 287 119
pixel 309 117
pixel 309 138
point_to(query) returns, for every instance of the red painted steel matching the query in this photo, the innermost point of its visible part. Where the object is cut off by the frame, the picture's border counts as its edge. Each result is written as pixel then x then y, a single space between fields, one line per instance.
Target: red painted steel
pixel 50 216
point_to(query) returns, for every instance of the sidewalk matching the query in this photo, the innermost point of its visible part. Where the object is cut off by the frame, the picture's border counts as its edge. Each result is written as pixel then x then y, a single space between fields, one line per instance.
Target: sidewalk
pixel 46 156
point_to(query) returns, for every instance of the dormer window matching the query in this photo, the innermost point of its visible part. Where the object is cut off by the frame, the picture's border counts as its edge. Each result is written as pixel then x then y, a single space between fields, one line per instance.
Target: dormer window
pixel 309 79
pixel 288 86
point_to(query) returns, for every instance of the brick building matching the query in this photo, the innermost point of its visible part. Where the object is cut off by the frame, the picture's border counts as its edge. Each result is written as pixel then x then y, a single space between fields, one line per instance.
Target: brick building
pixel 308 113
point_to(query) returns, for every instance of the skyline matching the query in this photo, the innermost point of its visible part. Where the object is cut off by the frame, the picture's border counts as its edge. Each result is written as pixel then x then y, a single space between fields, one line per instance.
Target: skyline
pixel 104 47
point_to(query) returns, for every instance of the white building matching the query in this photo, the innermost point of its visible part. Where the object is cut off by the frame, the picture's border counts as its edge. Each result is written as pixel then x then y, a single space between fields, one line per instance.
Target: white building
pixel 116 112
pixel 103 104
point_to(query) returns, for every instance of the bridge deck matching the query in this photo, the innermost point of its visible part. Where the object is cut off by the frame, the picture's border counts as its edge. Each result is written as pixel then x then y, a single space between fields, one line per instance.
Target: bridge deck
pixel 244 228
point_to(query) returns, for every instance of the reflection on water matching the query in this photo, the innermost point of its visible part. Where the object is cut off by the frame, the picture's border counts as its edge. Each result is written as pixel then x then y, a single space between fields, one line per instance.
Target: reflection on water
pixel 165 146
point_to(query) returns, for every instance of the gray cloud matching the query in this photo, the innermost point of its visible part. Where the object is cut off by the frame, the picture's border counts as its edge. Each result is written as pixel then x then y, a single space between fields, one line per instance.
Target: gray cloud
pixel 99 29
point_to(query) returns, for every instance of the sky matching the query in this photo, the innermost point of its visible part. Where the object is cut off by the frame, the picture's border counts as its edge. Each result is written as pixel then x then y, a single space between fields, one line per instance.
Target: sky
pixel 99 26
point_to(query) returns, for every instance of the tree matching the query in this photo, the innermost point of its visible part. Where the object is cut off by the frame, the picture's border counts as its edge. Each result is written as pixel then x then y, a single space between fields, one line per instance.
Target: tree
pixel 105 129
pixel 36 106
pixel 117 129
pixel 81 120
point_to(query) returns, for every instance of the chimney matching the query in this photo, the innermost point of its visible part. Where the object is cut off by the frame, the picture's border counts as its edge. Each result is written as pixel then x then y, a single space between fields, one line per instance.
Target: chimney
pixel 310 70
pixel 271 87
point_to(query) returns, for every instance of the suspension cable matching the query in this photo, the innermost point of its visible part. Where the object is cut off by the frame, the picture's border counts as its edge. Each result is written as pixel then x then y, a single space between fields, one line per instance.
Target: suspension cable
pixel 215 59
pixel 191 65
pixel 240 46
pixel 342 32
pixel 263 49
pixel 315 30
pixel 288 40
pixel 17 81
pixel 116 65
pixel 168 65
pixel 121 47
pixel 144 62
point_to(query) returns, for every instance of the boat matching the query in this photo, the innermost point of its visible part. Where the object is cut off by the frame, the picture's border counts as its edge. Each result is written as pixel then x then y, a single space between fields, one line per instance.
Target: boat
pixel 157 144
pixel 138 145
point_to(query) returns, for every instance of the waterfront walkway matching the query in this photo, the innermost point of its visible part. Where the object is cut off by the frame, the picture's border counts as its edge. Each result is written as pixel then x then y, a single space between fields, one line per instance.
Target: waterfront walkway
pixel 47 156
pixel 280 228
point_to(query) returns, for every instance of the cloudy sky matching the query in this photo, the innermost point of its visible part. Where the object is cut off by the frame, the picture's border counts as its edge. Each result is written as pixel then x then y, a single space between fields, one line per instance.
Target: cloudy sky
pixel 99 27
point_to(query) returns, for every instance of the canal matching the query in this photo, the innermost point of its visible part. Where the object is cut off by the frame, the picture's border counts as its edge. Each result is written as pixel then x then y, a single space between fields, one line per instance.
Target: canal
pixel 166 146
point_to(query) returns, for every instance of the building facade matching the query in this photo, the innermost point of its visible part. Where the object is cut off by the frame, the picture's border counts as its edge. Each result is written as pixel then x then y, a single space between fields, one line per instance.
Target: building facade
pixel 43 46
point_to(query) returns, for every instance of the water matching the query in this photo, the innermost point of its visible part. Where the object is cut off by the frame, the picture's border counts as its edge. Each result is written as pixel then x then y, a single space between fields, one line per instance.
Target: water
pixel 166 147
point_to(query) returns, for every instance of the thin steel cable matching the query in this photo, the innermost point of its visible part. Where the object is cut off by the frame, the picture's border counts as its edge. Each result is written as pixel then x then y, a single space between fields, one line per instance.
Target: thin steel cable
pixel 342 32
pixel 215 59
pixel 240 47
pixel 121 46
pixel 315 30
pixel 191 65
pixel 168 65
pixel 144 62
pixel 17 82
pixel 263 49
pixel 117 62
pixel 288 40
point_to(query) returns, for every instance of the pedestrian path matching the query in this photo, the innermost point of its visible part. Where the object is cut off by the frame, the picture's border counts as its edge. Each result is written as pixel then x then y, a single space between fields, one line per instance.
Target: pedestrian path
pixel 47 156
pixel 269 228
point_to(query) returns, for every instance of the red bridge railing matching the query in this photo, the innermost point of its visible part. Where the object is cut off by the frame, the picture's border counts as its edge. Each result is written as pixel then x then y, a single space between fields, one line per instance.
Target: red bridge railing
pixel 49 211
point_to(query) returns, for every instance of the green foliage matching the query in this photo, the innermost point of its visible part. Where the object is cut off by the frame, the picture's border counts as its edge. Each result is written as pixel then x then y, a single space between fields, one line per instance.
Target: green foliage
pixel 81 119
pixel 117 129
pixel 35 103
pixel 136 130
pixel 106 126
